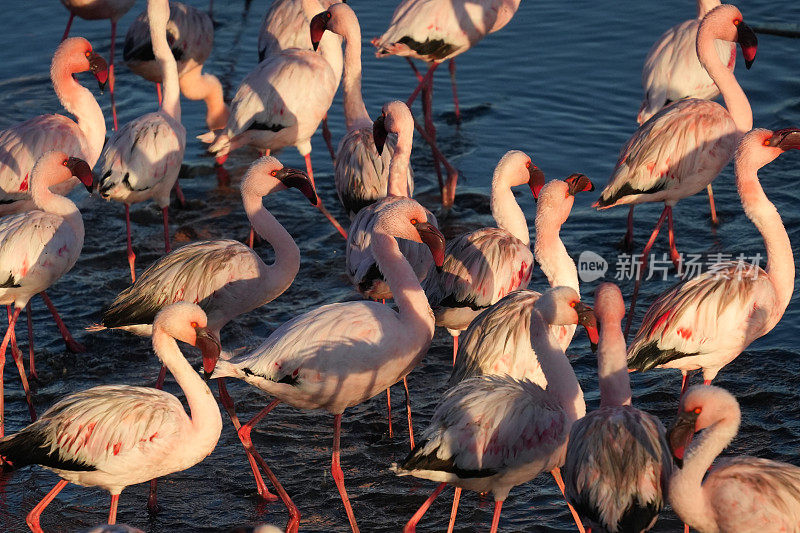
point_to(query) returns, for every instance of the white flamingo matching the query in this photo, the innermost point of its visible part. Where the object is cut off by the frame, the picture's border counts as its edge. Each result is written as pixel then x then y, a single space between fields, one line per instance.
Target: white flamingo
pixel 191 38
pixel 707 321
pixel 142 160
pixel 38 247
pixel 343 354
pixel 746 494
pixel 491 433
pixel 683 147
pixel 113 436
pixel 618 462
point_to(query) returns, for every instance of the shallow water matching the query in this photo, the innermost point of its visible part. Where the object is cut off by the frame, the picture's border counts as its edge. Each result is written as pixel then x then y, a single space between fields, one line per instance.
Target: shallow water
pixel 562 82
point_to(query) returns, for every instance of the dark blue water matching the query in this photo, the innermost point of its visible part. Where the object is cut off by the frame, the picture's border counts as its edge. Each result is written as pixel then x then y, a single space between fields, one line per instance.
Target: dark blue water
pixel 562 82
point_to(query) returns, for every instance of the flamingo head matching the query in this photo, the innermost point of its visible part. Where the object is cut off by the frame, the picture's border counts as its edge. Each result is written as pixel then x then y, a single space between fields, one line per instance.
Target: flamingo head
pixel 747 39
pixel 407 219
pixel 726 22
pixel 760 147
pixel 785 139
pixel 297 179
pixel 561 306
pixel 81 170
pixel 267 175
pixel 319 23
pixel 395 118
pixel 579 183
pixel 188 323
pixel 535 179
pixel 338 18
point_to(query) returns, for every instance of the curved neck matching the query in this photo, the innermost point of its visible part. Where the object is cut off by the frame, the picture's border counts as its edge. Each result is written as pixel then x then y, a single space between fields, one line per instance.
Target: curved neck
pixel 506 211
pixel 80 102
pixel 170 102
pixel 355 112
pixel 735 100
pixel 282 272
pixel 704 6
pixel 398 167
pixel 550 251
pixel 196 85
pixel 62 206
pixel 612 365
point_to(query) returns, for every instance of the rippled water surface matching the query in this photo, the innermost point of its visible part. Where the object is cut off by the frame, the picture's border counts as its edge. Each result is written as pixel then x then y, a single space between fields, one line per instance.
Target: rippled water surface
pixel 562 82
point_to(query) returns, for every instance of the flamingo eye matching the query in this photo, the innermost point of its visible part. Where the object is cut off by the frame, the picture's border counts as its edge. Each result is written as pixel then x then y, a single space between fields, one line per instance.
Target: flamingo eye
pixel 573 304
pixel 528 164
pixel 736 22
pixel 273 173
pixel 766 142
pixel 88 53
pixel 65 162
pixel 327 15
pixel 697 410
pixel 414 221
pixel 195 325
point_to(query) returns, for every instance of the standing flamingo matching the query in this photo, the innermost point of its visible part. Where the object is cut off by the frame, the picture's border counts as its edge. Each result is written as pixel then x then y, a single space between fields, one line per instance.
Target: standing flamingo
pixel 343 354
pixel 95 10
pixel 484 265
pixel 142 160
pixel 491 433
pixel 707 321
pixel 38 247
pixel 746 494
pixel 683 147
pixel 618 462
pixel 113 436
pixel 191 37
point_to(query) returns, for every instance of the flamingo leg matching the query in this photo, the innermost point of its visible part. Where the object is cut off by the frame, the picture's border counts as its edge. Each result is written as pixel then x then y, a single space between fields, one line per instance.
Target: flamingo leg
pixel 338 476
pixel 326 134
pixel 69 25
pixel 684 385
pixel 455 348
pixel 16 354
pixel 32 368
pixel 454 510
pixel 111 73
pixel 158 93
pixel 627 242
pixel 642 268
pixel 414 68
pixel 165 213
pixel 498 506
pixel 3 348
pixel 673 250
pixel 131 255
pixel 706 382
pixel 411 526
pixel 408 411
pixel 422 83
pixel 430 128
pixel 179 193
pixel 252 237
pixel 223 177
pixel 321 207
pixel 33 517
pixel 389 410
pixel 556 472
pixel 72 345
pixel 714 219
pixel 452 173
pixel 112 512
pixel 452 67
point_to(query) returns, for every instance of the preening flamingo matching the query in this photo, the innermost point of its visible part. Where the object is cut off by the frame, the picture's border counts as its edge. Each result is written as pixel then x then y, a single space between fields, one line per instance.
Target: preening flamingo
pixel 746 494
pixel 361 173
pixel 113 436
pixel 682 148
pixel 112 10
pixel 707 321
pixel 484 265
pixel 343 354
pixel 142 160
pixel 191 38
pixel 37 248
pixel 491 433
pixel 618 462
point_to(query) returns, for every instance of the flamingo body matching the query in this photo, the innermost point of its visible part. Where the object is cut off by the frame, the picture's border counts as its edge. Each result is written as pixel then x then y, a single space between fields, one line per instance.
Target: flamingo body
pixel 99 9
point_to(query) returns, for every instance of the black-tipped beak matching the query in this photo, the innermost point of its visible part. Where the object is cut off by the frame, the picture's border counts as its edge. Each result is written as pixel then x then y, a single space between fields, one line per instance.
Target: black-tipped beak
pixel 747 39
pixel 298 179
pixel 81 170
pixel 680 434
pixel 99 67
pixel 379 133
pixel 579 183
pixel 434 239
pixel 536 180
pixel 786 139
pixel 318 26
pixel 588 320
pixel 210 348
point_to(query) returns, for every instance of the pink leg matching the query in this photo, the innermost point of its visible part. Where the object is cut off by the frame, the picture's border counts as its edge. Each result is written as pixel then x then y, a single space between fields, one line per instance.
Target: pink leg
pixel 714 219
pixel 16 354
pixel 454 510
pixel 223 177
pixel 33 517
pixel 414 68
pixel 389 410
pixel 32 368
pixel 158 93
pixel 684 384
pixel 251 240
pixel 673 251
pixel 498 506
pixel 179 193
pixel 642 269
pixel 427 111
pixel 326 134
pixel 112 512
pixel 162 375
pixel 69 25
pixel 455 89
pixel 338 476
pixel 706 382
pixel 556 472
pixel 449 188
pixel 131 255
pixel 685 528
pixel 627 242
pixel 411 526
pixel 455 348
pixel 165 212
pixel 72 345
pixel 408 411
pixel 111 73
pixel 422 83
pixel 321 207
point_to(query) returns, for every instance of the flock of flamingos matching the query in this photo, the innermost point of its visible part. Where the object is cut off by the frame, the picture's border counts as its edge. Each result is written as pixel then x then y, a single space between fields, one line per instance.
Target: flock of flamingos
pixel 513 408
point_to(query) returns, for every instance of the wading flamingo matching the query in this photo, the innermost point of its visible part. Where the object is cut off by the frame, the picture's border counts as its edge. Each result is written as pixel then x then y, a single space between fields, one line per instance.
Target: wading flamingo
pixel 746 494
pixel 683 147
pixel 118 435
pixel 343 354
pixel 142 160
pixel 707 321
pixel 618 462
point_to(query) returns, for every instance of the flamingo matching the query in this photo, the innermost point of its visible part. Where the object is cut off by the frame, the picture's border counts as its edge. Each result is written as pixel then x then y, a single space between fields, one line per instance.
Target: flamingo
pixel 142 160
pixel 746 494
pixel 191 37
pixel 484 265
pixel 285 25
pixel 618 462
pixel 113 436
pixel 491 433
pixel 683 147
pixel 343 354
pixel 361 173
pixel 38 247
pixel 707 321
pixel 100 9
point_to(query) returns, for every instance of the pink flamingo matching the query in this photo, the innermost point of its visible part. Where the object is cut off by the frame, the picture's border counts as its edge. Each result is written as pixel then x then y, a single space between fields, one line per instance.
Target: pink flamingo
pixel 191 38
pixel 739 493
pixel 343 354
pixel 37 248
pixel 113 436
pixel 142 160
pixel 95 10
pixel 484 265
pixel 491 433
pixel 683 147
pixel 707 321
pixel 618 462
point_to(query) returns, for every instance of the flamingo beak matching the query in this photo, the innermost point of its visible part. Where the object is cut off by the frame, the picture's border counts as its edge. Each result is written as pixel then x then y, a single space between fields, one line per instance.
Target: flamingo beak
pixel 747 39
pixel 434 239
pixel 318 26
pixel 298 179
pixel 210 348
pixel 81 170
pixel 786 139
pixel 379 133
pixel 99 67
pixel 680 434
pixel 579 183
pixel 536 181
pixel 588 320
